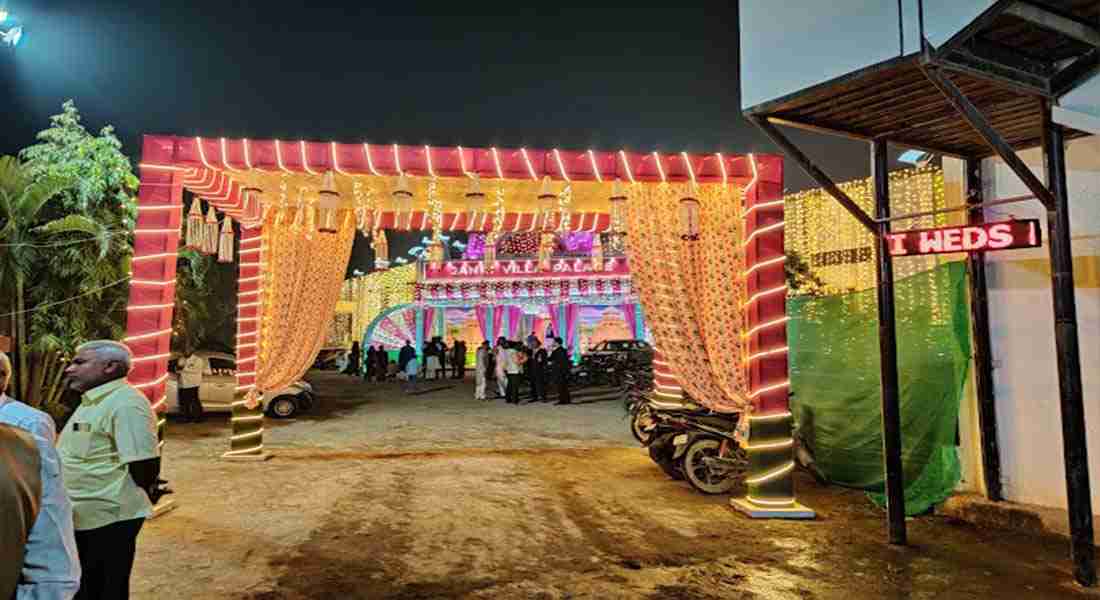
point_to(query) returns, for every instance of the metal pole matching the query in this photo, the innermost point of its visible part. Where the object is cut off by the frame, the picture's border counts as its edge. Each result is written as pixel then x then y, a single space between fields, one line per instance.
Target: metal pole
pixel 983 355
pixel 888 350
pixel 1074 442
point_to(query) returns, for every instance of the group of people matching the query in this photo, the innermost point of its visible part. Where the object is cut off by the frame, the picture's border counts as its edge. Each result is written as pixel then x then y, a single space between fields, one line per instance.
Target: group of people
pixel 511 363
pixel 71 506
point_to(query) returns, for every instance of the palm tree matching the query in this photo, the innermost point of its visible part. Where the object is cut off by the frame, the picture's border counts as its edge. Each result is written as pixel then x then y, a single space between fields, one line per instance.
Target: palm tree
pixel 21 201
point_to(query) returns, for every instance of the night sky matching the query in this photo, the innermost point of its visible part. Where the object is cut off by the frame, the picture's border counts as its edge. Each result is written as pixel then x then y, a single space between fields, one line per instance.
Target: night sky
pixel 547 76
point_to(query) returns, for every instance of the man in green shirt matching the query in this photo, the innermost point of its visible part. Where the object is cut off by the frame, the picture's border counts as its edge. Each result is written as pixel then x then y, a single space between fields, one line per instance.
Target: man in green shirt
pixel 111 461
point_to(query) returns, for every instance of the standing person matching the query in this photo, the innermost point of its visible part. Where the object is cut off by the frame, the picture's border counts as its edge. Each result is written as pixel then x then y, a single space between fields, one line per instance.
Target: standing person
pixel 514 370
pixel 406 354
pixel 481 369
pixel 532 340
pixel 458 359
pixel 190 383
pixel 384 362
pixel 412 367
pixel 538 372
pixel 498 364
pixel 111 462
pixel 370 363
pixel 51 568
pixel 431 360
pixel 353 360
pixel 559 371
pixel 441 352
pixel 20 504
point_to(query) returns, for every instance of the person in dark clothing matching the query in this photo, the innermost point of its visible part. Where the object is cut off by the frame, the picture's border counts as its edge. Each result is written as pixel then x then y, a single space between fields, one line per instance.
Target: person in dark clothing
pixel 559 370
pixel 407 353
pixel 383 363
pixel 353 360
pixel 458 359
pixel 537 372
pixel 370 364
pixel 441 352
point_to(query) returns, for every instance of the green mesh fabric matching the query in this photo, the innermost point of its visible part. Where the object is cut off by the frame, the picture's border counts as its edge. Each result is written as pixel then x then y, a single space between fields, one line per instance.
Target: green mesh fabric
pixel 834 362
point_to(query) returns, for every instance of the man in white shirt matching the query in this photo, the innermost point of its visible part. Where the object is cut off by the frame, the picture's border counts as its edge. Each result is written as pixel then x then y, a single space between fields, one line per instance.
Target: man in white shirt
pixel 190 382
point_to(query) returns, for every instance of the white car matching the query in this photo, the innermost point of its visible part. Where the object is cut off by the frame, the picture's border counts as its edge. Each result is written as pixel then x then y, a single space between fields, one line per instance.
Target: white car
pixel 219 385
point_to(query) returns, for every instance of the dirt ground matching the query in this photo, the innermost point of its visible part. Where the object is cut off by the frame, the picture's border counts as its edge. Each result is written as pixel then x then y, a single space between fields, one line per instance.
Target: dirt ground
pixel 382 495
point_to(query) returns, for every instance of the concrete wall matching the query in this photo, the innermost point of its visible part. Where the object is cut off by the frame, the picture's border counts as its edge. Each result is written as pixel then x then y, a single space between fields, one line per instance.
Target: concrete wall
pixel 787 46
pixel 1021 320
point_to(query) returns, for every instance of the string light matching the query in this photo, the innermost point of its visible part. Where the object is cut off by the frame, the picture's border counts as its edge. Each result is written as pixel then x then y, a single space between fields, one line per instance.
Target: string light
pixel 762 231
pixel 153 383
pixel 279 157
pixel 245 436
pixel 759 295
pixel 787 443
pixel 305 161
pixel 247 157
pixel 626 166
pixel 660 167
pixel 151 357
pixel 771 416
pixel 687 164
pixel 370 163
pixel 145 336
pixel 770 388
pixel 496 163
pixel 763 326
pixel 428 158
pixel 158 206
pixel 225 158
pixel 151 282
pixel 149 306
pixel 335 163
pixel 722 166
pixel 763 205
pixel 202 155
pixel 763 502
pixel 397 160
pixel 771 352
pixel 764 264
pixel 156 231
pixel 774 474
pixel 160 168
pixel 595 167
pixel 527 161
pixel 561 165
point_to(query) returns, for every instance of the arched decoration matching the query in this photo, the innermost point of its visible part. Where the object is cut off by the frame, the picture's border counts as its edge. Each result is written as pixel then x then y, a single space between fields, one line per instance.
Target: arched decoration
pixel 385 315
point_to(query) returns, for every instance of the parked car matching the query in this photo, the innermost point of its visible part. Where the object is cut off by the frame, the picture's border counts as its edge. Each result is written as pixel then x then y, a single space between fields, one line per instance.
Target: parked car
pixel 329 359
pixel 219 386
pixel 605 363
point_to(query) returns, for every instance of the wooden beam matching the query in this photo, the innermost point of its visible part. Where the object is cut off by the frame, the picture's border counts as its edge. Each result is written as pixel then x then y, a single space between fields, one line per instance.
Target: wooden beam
pixel 978 121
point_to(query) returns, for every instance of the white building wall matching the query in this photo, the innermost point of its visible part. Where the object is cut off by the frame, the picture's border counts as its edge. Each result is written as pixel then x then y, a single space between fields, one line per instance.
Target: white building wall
pixel 1022 325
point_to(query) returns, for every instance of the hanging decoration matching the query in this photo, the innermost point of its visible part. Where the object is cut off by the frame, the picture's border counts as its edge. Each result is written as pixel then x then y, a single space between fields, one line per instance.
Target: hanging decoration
pixel 489 256
pixel 546 251
pixel 475 200
pixel 435 253
pixel 195 226
pixel 689 217
pixel 546 200
pixel 402 202
pixel 618 206
pixel 251 211
pixel 565 204
pixel 210 233
pixel 328 203
pixel 381 249
pixel 225 241
pixel 597 254
pixel 365 214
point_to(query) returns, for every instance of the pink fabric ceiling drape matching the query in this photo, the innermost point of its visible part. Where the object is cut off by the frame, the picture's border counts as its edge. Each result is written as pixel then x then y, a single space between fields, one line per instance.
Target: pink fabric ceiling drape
pixel 515 319
pixel 426 326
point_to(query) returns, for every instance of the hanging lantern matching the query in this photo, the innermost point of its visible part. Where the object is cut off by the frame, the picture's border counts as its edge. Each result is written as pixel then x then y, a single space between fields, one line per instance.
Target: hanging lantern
pixel 618 206
pixel 547 199
pixel 402 201
pixel 546 250
pixel 475 200
pixel 689 219
pixel 210 233
pixel 381 249
pixel 328 203
pixel 225 241
pixel 195 226
pixel 597 253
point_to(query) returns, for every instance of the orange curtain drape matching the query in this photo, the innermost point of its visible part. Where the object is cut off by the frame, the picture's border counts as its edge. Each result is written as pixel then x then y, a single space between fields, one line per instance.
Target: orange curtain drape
pixel 303 273
pixel 693 291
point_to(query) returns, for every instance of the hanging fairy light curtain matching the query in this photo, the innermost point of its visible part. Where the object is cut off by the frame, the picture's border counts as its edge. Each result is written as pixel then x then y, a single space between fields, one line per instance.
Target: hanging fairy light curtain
pixel 195 226
pixel 689 277
pixel 303 276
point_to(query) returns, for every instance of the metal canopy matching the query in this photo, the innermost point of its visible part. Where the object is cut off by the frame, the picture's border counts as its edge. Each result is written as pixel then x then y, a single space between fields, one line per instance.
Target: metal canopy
pixel 1013 54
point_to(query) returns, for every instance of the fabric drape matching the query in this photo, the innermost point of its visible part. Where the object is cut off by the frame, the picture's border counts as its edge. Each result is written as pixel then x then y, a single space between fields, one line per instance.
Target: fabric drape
pixel 572 315
pixel 302 279
pixel 429 323
pixel 484 313
pixel 630 315
pixel 555 321
pixel 515 321
pixel 498 317
pixel 692 292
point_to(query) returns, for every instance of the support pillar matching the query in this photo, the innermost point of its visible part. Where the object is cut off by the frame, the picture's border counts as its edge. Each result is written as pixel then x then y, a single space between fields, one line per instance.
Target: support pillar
pixel 419 332
pixel 888 350
pixel 983 352
pixel 770 445
pixel 246 443
pixel 1074 440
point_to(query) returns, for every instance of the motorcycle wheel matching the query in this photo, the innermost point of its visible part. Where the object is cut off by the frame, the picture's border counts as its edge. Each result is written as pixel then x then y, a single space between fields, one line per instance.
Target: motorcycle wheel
pixel 660 451
pixel 644 437
pixel 698 474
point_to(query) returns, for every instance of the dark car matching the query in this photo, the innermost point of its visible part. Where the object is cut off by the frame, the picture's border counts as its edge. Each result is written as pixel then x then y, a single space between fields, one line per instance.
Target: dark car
pixel 606 361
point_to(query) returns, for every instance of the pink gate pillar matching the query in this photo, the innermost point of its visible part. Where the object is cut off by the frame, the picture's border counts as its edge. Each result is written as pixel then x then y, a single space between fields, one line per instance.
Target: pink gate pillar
pixel 153 272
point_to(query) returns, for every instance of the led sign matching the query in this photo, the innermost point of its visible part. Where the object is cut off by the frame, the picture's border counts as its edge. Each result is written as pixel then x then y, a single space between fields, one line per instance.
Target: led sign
pixel 1003 235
